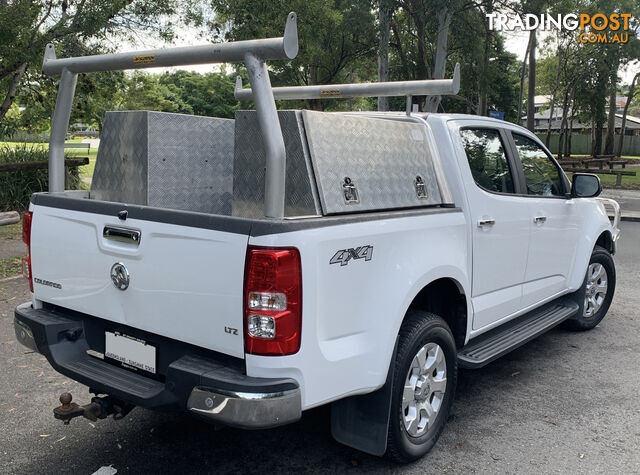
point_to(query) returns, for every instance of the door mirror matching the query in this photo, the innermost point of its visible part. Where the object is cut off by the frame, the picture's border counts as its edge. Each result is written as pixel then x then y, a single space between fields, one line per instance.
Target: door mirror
pixel 584 185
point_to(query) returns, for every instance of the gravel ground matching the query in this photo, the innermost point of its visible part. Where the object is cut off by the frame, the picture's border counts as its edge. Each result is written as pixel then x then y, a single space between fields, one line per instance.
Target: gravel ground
pixel 564 403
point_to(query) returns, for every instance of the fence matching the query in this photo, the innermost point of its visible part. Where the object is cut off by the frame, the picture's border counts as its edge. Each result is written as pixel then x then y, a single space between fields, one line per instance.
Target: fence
pixel 581 144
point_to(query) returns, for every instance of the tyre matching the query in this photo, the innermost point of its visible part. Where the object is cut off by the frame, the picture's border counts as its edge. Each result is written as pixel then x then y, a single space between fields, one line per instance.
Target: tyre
pixel 596 293
pixel 424 384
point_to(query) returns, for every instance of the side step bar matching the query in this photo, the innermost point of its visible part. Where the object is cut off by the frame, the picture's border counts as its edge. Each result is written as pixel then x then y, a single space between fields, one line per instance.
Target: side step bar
pixel 499 341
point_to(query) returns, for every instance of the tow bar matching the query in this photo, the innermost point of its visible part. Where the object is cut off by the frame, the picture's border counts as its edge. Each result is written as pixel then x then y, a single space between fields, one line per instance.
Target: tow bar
pixel 98 408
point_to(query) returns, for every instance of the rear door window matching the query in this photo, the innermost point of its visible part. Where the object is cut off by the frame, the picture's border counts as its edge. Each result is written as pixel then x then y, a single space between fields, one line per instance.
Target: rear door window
pixel 487 159
pixel 541 174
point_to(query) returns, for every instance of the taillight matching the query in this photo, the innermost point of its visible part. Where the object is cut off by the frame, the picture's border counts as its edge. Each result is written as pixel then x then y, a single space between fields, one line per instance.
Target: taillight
pixel 272 301
pixel 27 218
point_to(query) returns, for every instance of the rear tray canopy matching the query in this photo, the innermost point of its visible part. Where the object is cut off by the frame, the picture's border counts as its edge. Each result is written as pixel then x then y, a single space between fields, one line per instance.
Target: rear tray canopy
pixel 337 163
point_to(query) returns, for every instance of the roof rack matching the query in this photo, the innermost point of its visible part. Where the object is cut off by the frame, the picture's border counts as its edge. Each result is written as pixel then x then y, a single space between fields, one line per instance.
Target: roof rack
pixel 253 53
pixel 429 87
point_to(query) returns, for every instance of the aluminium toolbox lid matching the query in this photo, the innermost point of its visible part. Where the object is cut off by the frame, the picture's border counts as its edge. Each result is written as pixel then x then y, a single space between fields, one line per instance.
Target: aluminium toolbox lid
pixel 336 163
pixel 364 163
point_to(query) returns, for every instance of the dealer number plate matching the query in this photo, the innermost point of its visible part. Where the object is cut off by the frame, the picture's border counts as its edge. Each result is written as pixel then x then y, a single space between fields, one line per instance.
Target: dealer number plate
pixel 130 352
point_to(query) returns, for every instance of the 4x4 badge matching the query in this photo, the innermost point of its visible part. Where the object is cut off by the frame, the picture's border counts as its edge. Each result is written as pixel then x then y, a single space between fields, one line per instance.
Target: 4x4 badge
pixel 343 256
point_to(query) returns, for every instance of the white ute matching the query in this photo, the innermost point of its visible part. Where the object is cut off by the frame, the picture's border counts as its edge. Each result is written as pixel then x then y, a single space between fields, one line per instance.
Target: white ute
pixel 247 270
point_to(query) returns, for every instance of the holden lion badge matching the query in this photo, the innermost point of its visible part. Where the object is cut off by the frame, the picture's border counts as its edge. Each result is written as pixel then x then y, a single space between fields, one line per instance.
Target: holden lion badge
pixel 120 276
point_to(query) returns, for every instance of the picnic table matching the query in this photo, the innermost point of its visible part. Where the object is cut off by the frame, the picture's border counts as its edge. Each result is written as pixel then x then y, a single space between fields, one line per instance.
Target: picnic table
pixel 68 163
pixel 77 145
pixel 573 165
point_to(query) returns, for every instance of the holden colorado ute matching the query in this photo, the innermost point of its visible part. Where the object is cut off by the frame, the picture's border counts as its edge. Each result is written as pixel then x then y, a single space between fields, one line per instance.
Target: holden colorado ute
pixel 246 270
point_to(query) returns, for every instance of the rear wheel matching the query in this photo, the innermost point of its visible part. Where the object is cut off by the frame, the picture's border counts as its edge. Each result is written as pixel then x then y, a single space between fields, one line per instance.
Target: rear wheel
pixel 596 294
pixel 424 385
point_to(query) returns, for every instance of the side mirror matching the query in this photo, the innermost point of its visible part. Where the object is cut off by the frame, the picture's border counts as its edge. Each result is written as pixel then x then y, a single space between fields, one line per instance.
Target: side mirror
pixel 584 185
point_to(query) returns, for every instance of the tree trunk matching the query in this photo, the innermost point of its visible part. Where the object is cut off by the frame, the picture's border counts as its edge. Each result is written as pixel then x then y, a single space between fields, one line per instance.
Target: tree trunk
pixel 13 87
pixel 611 124
pixel 531 89
pixel 563 125
pixel 623 126
pixel 483 83
pixel 421 63
pixel 444 21
pixel 596 150
pixel 553 99
pixel 422 70
pixel 406 70
pixel 522 74
pixel 316 104
pixel 383 49
pixel 567 151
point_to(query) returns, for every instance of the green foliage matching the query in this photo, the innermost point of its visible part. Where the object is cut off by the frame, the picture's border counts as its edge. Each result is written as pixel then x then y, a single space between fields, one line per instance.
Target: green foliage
pixel 144 92
pixel 26 26
pixel 16 187
pixel 338 43
pixel 202 94
pixel 336 37
pixel 588 72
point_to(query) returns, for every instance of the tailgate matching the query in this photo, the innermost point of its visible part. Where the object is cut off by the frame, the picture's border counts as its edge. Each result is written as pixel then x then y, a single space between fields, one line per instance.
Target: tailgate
pixel 185 280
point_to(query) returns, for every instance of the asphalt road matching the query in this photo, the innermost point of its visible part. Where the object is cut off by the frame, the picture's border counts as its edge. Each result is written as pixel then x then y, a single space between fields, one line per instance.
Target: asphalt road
pixel 629 200
pixel 564 403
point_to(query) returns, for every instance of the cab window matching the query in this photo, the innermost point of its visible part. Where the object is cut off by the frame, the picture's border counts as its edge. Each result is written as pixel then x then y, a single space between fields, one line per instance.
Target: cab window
pixel 541 175
pixel 487 159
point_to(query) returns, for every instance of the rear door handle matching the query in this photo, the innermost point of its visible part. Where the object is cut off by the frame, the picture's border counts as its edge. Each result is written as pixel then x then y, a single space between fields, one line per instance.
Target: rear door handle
pixel 486 222
pixel 539 219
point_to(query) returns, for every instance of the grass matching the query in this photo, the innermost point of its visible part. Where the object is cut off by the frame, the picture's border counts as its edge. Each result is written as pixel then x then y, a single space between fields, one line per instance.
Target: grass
pixel 609 181
pixel 86 171
pixel 11 231
pixel 628 182
pixel 10 266
pixel 624 157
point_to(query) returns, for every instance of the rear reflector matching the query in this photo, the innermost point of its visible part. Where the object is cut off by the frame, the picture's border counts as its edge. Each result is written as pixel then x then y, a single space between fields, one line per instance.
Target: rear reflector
pixel 273 301
pixel 27 219
pixel 26 227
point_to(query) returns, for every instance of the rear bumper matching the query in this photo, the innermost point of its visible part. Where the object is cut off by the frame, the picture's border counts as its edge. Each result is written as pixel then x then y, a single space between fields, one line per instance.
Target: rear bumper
pixel 211 386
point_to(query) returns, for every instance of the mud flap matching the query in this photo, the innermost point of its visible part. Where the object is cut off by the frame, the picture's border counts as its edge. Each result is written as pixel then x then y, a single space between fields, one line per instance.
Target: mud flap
pixel 362 422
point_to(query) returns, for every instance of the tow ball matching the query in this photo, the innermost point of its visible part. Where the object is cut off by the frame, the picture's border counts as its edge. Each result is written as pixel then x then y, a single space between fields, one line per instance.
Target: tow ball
pixel 98 408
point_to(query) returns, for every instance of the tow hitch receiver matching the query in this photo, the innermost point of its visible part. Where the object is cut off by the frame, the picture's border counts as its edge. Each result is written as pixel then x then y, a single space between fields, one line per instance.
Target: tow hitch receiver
pixel 98 408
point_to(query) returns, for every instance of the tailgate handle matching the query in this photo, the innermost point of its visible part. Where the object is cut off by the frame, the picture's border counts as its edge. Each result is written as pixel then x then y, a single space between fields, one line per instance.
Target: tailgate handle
pixel 117 233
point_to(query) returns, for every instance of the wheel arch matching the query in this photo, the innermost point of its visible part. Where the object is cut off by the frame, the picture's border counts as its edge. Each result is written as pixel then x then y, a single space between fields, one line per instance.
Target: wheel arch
pixel 598 237
pixel 605 240
pixel 447 298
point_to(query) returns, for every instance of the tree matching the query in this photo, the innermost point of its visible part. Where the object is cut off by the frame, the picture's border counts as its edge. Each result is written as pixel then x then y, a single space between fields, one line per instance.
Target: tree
pixel 523 72
pixel 630 95
pixel 617 54
pixel 209 94
pixel 444 16
pixel 335 36
pixel 536 7
pixel 489 73
pixel 144 91
pixel 385 12
pixel 26 26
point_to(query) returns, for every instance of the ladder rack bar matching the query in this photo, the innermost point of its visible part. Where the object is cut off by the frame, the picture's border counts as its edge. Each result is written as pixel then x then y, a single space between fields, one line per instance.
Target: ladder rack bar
pixel 285 47
pixel 429 87
pixel 253 53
